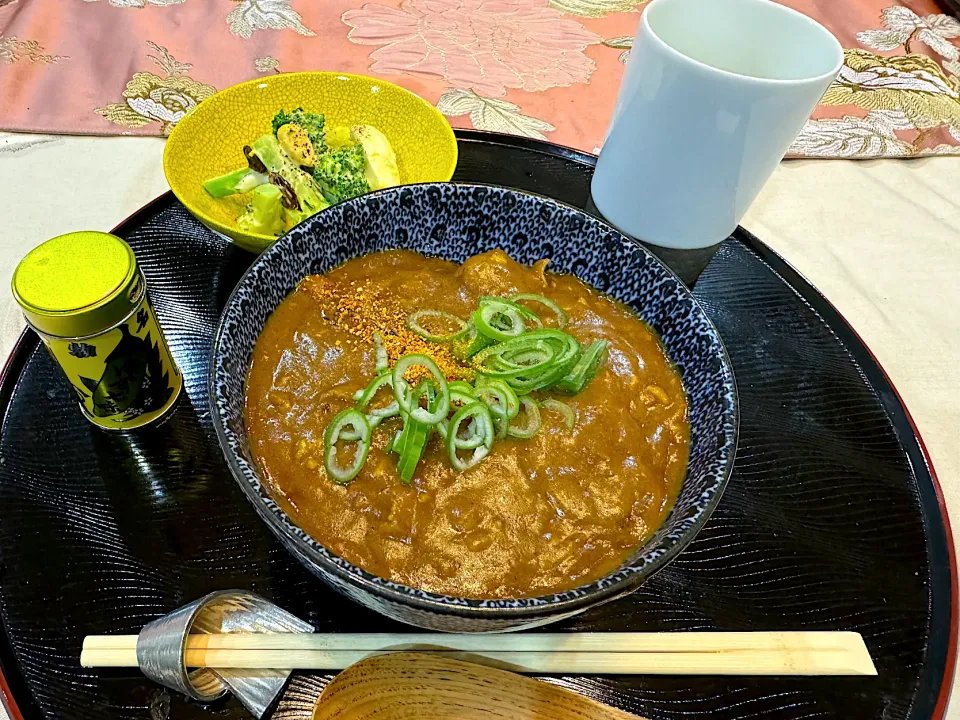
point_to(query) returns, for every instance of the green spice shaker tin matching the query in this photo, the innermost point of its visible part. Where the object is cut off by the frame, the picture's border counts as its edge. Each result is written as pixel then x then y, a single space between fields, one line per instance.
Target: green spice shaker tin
pixel 87 299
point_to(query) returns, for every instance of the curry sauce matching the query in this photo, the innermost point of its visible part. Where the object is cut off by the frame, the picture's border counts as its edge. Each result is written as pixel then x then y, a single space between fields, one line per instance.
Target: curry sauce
pixel 539 515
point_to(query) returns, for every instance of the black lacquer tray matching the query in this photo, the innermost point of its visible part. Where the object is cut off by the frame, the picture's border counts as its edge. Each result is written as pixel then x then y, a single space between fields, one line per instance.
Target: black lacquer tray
pixel 833 518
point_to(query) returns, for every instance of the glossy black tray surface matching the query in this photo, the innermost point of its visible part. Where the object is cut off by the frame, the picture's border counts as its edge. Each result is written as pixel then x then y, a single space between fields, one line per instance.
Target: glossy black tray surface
pixel 832 519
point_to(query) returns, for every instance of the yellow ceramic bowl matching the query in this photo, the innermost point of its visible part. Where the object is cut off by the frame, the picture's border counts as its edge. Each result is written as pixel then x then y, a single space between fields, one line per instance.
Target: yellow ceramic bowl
pixel 209 141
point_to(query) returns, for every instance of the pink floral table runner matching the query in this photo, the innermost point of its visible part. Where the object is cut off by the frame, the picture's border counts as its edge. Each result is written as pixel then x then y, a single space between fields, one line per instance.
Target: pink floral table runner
pixel 540 68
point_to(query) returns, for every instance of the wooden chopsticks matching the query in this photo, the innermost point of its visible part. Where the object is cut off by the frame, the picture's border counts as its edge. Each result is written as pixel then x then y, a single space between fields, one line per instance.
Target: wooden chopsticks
pixel 675 653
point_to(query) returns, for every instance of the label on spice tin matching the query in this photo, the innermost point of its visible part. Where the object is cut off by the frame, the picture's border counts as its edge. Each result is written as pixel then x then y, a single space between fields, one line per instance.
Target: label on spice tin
pixel 125 376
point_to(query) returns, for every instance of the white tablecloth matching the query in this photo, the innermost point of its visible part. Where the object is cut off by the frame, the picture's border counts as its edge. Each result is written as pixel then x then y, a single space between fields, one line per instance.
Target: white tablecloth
pixel 880 239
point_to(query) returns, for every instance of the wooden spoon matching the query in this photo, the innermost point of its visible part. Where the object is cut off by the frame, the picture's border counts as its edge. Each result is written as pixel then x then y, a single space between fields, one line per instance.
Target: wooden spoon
pixel 421 686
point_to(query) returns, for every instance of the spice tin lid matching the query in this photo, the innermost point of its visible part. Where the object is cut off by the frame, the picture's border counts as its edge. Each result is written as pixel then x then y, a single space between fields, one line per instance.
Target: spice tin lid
pixel 78 284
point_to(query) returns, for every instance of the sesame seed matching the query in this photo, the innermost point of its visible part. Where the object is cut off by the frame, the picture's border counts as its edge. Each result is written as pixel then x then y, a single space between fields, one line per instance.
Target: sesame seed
pixel 367 309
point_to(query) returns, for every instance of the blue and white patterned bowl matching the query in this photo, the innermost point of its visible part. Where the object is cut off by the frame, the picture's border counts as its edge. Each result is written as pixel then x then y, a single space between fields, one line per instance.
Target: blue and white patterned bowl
pixel 455 222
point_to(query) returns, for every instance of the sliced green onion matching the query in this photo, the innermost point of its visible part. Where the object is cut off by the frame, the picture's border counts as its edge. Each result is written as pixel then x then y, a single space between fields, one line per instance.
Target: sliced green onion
pixel 461 386
pixel 474 437
pixel 547 302
pixel 565 359
pixel 529 358
pixel 511 360
pixel 528 315
pixel 522 354
pixel 544 338
pixel 586 368
pixel 428 392
pixel 480 414
pixel 333 433
pixel 392 445
pixel 382 360
pixel 409 402
pixel 381 380
pixel 414 323
pixel 461 394
pixel 569 416
pixel 470 344
pixel 502 401
pixel 498 364
pixel 499 319
pixel 506 400
pixel 455 394
pixel 413 441
pixel 532 420
pixel 533 361
pixel 353 435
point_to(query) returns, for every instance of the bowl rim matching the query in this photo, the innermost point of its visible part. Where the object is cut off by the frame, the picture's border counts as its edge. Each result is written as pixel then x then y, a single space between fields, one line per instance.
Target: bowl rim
pixel 553 604
pixel 184 124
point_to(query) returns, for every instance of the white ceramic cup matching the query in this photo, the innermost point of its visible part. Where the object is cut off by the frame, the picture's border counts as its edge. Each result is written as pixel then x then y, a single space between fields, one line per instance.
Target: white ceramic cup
pixel 714 93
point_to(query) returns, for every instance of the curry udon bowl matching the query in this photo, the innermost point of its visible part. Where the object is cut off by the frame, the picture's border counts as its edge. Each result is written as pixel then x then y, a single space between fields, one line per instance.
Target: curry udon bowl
pixel 456 222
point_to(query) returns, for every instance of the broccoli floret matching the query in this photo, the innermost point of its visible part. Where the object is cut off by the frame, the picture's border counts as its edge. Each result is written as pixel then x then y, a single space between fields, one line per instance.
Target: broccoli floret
pixel 340 173
pixel 264 214
pixel 311 122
